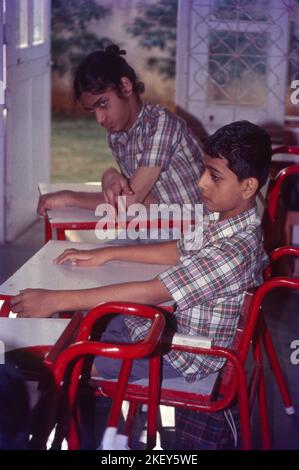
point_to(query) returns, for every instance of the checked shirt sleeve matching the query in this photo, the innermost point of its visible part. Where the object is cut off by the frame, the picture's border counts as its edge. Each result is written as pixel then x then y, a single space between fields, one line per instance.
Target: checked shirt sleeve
pixel 158 142
pixel 201 277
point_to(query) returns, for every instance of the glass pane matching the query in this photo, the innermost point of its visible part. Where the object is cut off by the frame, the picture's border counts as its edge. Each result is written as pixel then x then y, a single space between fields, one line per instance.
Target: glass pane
pixel 22 23
pixel 38 21
pixel 242 10
pixel 237 68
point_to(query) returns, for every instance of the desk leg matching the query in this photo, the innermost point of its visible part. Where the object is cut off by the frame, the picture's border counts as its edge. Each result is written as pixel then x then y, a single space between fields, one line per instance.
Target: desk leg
pixel 48 230
pixel 60 234
pixel 5 309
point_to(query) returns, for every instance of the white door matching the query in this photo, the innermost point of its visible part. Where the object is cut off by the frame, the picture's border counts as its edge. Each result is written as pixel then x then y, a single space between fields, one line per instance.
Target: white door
pixel 2 165
pixel 28 109
pixel 232 61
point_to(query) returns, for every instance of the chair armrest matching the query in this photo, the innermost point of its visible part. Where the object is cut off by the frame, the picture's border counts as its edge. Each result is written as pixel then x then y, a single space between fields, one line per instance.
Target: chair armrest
pixel 67 337
pixel 83 346
pixel 284 251
pixel 277 254
pixel 117 351
pixel 121 308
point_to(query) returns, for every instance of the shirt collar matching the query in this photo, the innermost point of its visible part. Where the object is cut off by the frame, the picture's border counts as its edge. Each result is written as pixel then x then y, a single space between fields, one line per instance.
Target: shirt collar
pixel 228 227
pixel 122 137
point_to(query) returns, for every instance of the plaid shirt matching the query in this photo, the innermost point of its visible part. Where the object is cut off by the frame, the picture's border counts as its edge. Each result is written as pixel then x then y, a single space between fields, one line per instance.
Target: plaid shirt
pixel 160 138
pixel 209 286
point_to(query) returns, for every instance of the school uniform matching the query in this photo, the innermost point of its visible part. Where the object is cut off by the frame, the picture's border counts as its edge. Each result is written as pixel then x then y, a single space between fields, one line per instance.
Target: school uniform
pixel 208 285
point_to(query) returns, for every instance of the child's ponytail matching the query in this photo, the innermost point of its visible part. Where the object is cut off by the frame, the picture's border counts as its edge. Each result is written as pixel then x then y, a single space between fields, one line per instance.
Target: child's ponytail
pixel 114 50
pixel 104 69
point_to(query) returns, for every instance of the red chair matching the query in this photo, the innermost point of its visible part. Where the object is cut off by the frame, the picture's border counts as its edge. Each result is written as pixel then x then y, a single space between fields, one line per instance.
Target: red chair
pixel 273 206
pixel 217 393
pixel 56 363
pixel 276 255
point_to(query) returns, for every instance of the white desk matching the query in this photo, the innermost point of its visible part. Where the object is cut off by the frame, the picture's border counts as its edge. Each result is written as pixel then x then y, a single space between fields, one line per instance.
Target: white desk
pixel 73 218
pixel 16 333
pixel 40 271
pixel 68 218
pixel 45 188
pixel 285 157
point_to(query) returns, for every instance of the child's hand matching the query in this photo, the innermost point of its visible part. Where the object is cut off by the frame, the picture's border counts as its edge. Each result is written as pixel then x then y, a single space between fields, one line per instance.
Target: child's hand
pixel 36 303
pixel 53 201
pixel 83 257
pixel 114 184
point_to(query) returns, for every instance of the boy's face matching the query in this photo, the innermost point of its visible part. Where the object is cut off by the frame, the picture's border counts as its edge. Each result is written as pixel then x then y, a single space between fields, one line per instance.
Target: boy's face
pixel 112 112
pixel 221 191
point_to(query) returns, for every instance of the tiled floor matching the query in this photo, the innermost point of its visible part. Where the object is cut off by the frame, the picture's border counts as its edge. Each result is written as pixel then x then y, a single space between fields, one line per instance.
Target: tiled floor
pixel 282 317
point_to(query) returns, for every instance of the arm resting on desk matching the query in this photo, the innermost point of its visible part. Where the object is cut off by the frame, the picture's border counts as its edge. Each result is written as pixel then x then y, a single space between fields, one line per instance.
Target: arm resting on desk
pixel 43 303
pixel 59 199
pixel 157 253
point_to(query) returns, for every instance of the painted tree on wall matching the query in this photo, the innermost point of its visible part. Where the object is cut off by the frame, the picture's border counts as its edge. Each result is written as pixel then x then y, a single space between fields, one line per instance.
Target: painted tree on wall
pixel 155 26
pixel 71 35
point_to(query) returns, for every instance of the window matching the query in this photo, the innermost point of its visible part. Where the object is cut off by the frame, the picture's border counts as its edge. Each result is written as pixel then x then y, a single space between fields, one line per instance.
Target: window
pixel 22 24
pixel 30 23
pixel 38 22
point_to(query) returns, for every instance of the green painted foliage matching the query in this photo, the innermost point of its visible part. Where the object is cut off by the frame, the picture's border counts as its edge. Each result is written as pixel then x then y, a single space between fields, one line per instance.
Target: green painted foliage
pixel 71 36
pixel 156 28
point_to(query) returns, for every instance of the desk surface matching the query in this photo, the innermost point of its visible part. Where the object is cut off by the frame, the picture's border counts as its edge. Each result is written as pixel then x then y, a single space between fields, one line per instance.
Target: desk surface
pixel 40 271
pixel 18 333
pixel 287 157
pixel 70 215
pixel 45 188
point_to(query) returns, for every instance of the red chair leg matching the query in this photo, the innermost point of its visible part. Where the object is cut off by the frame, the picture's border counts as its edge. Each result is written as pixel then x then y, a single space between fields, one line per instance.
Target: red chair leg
pixel 131 416
pixel 153 402
pixel 262 401
pixel 121 390
pixel 276 368
pixel 73 437
pixel 244 410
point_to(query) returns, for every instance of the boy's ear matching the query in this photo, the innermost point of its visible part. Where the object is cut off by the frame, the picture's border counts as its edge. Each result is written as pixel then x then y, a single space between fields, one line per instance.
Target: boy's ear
pixel 127 87
pixel 250 187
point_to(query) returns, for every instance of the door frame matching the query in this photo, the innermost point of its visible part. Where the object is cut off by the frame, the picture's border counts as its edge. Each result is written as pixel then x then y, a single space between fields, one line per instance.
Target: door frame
pixel 2 133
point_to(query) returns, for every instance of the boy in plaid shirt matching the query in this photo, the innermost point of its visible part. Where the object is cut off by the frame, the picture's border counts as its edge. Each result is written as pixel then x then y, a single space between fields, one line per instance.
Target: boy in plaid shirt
pixel 208 284
pixel 158 156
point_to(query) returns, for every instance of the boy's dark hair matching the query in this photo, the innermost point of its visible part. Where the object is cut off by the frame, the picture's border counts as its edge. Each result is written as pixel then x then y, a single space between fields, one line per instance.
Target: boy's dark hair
pixel 14 409
pixel 245 146
pixel 104 69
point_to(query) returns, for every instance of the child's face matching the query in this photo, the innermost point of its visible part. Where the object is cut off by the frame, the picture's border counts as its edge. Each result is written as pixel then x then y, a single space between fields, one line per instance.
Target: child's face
pixel 221 191
pixel 112 112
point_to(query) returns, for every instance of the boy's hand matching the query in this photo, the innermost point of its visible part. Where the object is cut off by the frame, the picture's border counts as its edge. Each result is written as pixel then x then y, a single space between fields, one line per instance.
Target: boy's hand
pixel 83 257
pixel 53 201
pixel 114 184
pixel 35 303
